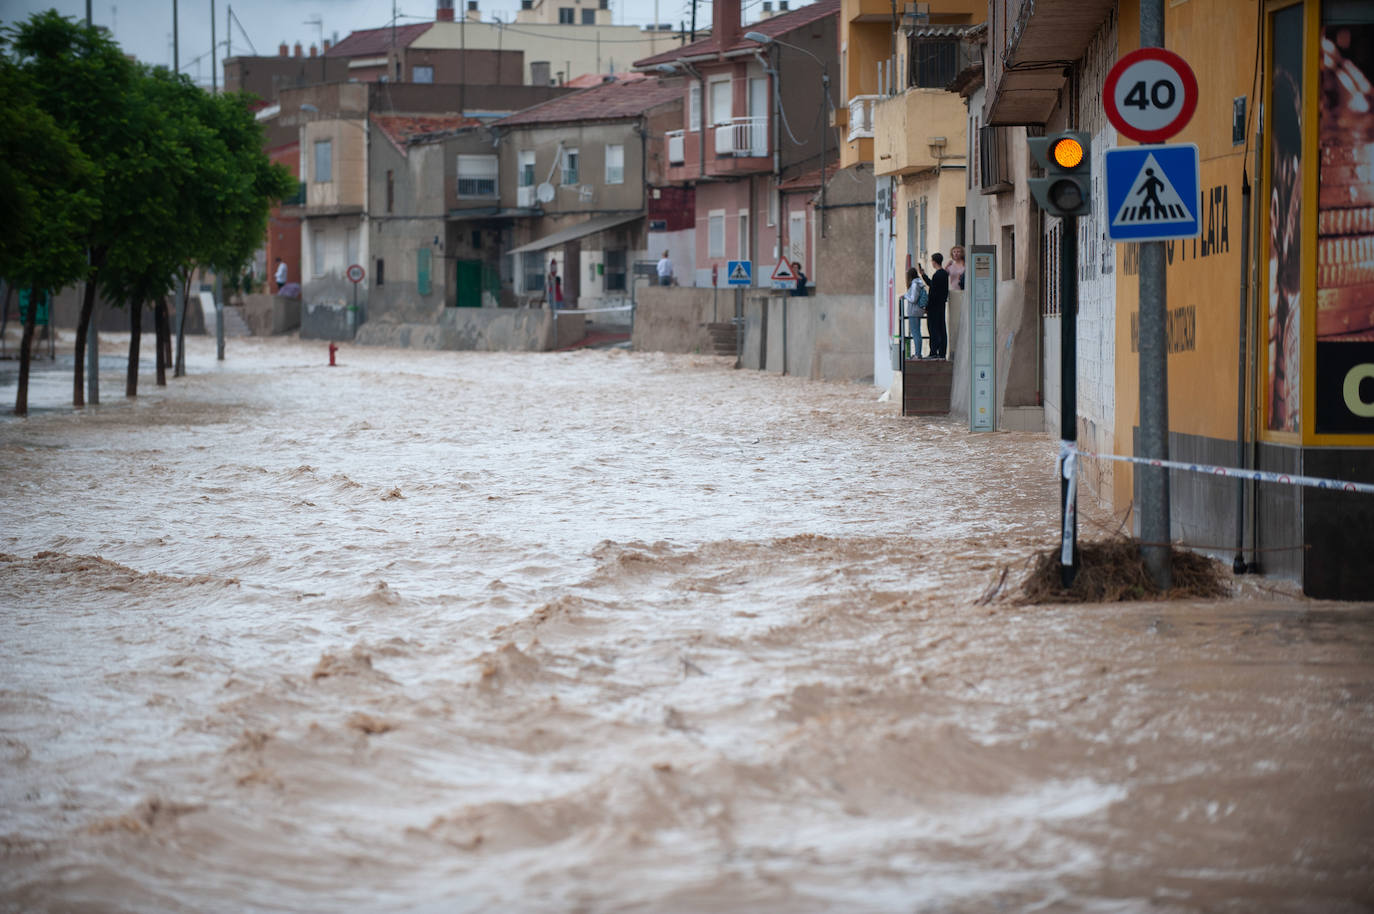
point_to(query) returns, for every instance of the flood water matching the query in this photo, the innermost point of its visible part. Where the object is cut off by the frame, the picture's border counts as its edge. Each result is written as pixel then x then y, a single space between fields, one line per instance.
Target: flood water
pixel 608 631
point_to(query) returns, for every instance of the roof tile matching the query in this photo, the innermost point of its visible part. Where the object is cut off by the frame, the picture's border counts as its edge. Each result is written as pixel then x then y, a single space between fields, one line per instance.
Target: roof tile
pixel 609 101
pixel 369 42
pixel 773 27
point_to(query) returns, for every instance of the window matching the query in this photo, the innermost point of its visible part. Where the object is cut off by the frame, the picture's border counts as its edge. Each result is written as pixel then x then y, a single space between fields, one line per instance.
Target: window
pixel 390 190
pixel 532 269
pixel 477 239
pixel 565 15
pixel 1008 252
pixel 422 264
pixel 422 74
pixel 526 178
pixel 934 62
pixel 589 17
pixel 570 166
pixel 351 247
pixel 694 107
pixel 615 163
pixel 476 176
pixel 722 102
pixel 380 277
pixel 317 253
pixel 324 161
pixel 744 235
pixel 715 233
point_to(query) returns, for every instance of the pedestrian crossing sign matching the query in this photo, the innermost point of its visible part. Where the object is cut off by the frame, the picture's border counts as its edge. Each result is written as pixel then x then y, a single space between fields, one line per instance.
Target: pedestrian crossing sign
pixel 1153 192
pixel 739 273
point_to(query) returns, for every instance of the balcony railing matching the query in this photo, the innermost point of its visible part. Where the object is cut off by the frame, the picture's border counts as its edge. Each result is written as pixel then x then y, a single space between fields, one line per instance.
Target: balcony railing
pixel 742 136
pixel 524 196
pixel 861 116
pixel 676 150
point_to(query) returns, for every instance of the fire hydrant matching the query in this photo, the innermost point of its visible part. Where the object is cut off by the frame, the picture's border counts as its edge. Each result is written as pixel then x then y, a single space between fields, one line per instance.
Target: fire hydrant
pixel 333 348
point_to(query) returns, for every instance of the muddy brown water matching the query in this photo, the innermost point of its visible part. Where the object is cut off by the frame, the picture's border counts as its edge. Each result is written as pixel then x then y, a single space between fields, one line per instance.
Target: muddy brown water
pixel 604 631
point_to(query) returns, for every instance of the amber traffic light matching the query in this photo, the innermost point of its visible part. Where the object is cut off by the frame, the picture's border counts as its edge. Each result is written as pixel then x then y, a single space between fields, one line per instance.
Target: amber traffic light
pixel 1066 189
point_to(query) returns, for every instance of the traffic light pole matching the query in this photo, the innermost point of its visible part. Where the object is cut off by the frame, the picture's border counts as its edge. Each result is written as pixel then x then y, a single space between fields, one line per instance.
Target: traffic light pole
pixel 1068 393
pixel 1152 482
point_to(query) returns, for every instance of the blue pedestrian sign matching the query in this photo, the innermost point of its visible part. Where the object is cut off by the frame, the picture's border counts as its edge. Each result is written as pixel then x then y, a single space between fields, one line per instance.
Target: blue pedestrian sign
pixel 739 273
pixel 1153 193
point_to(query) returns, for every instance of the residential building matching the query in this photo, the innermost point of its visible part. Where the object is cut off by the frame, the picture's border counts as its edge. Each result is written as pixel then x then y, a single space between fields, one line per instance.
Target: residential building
pixel 755 117
pixel 564 12
pixel 901 116
pixel 1268 344
pixel 577 173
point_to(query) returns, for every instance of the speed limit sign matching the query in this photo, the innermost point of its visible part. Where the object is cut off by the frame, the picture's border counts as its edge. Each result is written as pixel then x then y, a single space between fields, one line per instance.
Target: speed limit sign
pixel 355 274
pixel 1150 94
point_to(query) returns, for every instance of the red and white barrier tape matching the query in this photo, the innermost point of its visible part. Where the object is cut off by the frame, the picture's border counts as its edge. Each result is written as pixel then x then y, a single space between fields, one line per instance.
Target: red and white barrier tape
pixel 1068 453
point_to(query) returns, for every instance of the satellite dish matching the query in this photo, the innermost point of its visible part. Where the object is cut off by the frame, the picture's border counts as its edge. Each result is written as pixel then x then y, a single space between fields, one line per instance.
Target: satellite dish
pixel 544 192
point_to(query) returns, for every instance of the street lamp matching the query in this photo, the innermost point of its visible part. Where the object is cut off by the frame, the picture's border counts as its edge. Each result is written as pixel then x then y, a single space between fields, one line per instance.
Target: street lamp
pixel 829 109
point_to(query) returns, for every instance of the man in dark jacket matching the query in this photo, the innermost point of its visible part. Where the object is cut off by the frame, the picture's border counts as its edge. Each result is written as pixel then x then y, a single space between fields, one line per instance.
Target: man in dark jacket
pixel 938 283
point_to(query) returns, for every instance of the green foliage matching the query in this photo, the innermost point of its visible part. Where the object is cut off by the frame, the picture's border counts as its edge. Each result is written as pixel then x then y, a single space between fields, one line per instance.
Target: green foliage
pixel 182 178
pixel 47 190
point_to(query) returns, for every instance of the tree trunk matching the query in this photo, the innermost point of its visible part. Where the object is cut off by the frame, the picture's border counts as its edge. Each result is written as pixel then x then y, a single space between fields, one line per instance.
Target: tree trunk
pixel 82 323
pixel 163 339
pixel 21 398
pixel 166 331
pixel 135 337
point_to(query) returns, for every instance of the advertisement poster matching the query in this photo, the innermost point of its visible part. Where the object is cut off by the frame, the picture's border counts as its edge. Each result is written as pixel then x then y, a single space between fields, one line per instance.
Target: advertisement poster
pixel 1344 374
pixel 1285 221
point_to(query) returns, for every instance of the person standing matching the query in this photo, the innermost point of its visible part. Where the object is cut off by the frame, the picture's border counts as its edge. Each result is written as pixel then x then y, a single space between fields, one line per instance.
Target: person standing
pixel 281 274
pixel 665 270
pixel 938 283
pixel 799 289
pixel 916 302
pixel 551 282
pixel 956 267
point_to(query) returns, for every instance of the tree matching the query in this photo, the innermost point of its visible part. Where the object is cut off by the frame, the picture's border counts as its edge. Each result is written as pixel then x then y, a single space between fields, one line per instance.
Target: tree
pixel 46 200
pixel 81 79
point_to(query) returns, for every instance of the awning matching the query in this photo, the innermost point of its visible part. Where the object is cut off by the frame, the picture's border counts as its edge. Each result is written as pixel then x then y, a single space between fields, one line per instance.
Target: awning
pixel 573 232
pixel 490 212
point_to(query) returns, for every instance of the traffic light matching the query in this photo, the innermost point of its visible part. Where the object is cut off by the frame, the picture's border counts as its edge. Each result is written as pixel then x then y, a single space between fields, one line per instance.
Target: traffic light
pixel 1066 189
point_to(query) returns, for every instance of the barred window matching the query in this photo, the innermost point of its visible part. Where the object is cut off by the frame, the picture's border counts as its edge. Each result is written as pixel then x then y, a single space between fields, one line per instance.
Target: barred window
pixel 476 176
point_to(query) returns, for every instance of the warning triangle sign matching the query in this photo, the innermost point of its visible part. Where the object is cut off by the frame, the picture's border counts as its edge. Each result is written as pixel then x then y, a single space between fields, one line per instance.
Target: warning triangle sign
pixel 739 273
pixel 783 270
pixel 1152 199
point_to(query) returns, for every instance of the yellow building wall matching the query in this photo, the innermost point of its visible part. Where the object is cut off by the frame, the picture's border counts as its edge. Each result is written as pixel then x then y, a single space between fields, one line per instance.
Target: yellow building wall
pixel 1203 276
pixel 904 125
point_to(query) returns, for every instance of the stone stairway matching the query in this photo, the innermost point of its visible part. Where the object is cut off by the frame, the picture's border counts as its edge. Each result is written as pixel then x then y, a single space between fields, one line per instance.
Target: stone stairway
pixel 724 338
pixel 926 385
pixel 234 322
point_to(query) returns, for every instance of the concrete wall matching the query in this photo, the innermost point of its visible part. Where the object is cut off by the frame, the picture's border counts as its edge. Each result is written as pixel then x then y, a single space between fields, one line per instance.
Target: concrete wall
pixel 326 321
pixel 482 330
pixel 268 315
pixel 844 258
pixel 674 318
pixel 821 337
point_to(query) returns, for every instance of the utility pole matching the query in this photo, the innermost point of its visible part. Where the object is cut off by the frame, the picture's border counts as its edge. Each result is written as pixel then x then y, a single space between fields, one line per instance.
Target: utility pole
pixel 176 49
pixel 92 333
pixel 1152 482
pixel 214 77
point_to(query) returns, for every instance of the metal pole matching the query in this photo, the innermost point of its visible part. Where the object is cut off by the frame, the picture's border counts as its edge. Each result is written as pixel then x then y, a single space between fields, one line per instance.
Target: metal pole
pixel 1068 388
pixel 176 46
pixel 219 319
pixel 1238 564
pixel 214 77
pixel 179 364
pixel 1152 483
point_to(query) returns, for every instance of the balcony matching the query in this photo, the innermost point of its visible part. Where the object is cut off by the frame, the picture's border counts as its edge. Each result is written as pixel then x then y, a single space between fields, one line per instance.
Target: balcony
pixel 524 197
pixel 1028 48
pixel 740 146
pixel 742 136
pixel 861 116
pixel 917 131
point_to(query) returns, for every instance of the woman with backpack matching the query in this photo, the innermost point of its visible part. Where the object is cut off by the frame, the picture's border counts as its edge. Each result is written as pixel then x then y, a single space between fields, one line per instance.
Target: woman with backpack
pixel 916 298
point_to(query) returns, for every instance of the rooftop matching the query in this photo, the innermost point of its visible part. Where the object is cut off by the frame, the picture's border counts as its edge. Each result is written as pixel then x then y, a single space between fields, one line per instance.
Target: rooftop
pixel 773 27
pixel 370 42
pixel 402 130
pixel 608 101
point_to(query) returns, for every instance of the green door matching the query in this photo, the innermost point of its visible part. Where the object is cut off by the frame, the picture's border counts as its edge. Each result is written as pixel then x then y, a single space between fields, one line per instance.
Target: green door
pixel 469 284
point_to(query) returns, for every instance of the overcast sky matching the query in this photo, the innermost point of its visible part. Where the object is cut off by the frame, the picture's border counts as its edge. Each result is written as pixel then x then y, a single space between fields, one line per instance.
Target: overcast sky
pixel 144 27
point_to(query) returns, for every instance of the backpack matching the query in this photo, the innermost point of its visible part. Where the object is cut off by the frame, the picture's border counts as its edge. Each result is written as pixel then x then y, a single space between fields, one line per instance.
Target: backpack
pixel 918 307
